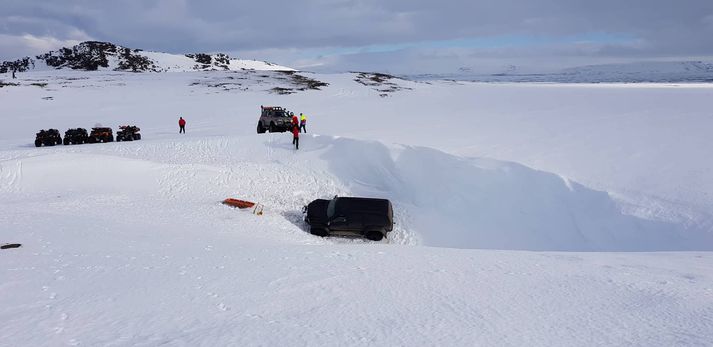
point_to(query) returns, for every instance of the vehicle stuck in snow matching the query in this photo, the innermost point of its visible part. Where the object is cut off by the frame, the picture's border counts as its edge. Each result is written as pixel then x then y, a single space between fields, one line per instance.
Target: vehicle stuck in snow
pixel 366 217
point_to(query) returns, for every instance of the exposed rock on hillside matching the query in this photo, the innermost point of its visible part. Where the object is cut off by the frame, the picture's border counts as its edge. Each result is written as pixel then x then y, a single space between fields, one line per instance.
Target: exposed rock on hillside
pixel 204 61
pixel 95 55
pixel 380 82
pixel 20 65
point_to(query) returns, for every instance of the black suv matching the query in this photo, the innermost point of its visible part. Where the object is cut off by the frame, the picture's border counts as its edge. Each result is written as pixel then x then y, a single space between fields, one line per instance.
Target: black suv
pixel 366 217
pixel 274 119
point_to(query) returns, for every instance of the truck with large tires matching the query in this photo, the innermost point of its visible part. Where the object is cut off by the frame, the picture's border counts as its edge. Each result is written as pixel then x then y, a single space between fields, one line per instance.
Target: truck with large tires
pixel 49 137
pixel 128 133
pixel 350 216
pixel 101 134
pixel 76 136
pixel 274 119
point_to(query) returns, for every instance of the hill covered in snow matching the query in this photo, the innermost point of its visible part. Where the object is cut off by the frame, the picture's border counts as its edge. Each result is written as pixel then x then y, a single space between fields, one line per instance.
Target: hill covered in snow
pixel 94 55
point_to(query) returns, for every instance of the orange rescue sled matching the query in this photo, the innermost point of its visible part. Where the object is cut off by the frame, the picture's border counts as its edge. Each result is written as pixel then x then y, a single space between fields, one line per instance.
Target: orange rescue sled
pixel 243 204
pixel 238 203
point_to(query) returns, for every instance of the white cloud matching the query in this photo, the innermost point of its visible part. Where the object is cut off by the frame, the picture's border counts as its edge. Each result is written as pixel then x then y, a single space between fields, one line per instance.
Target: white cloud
pixel 30 45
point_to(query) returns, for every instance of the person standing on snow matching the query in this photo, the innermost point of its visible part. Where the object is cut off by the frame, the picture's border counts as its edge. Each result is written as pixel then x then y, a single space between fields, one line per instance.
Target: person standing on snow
pixel 296 136
pixel 303 123
pixel 181 125
pixel 295 121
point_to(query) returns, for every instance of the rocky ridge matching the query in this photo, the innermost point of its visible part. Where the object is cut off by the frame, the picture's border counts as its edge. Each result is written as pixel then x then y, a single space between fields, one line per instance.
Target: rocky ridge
pixel 95 55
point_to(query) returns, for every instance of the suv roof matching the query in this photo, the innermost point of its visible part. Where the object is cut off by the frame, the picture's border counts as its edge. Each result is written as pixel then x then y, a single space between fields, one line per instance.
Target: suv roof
pixel 274 111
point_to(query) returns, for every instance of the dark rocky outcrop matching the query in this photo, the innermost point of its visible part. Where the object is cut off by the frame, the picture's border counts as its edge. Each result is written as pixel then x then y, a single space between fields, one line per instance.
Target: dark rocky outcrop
pixel 20 65
pixel 222 60
pixel 207 61
pixel 380 82
pixel 130 61
pixel 88 56
pixel 92 55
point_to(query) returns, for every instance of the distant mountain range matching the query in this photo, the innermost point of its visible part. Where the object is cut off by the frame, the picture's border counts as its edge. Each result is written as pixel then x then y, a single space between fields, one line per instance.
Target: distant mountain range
pixel 94 55
pixel 640 72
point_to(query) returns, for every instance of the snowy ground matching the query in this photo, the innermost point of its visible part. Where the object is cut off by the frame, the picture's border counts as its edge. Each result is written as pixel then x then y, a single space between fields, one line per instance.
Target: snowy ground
pixel 127 244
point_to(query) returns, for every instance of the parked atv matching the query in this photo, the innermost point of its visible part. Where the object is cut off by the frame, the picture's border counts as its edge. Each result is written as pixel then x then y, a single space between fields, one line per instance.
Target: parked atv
pixel 364 217
pixel 75 136
pixel 128 133
pixel 48 137
pixel 274 119
pixel 101 135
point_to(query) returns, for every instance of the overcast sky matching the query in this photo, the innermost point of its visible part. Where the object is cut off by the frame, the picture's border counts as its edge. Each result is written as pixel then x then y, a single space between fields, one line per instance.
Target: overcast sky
pixel 400 36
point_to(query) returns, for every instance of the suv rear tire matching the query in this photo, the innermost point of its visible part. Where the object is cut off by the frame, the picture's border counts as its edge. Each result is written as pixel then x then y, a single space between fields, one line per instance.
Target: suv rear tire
pixel 374 235
pixel 318 232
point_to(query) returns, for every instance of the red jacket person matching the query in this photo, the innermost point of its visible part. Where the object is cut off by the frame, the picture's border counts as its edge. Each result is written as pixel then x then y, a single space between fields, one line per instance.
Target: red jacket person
pixel 296 136
pixel 181 125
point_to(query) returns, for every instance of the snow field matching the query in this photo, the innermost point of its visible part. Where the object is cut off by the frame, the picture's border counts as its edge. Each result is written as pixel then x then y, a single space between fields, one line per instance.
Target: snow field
pixel 214 288
pixel 127 243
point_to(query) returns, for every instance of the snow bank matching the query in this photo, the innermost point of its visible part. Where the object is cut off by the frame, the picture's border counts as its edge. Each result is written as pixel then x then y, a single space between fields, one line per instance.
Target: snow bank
pixel 481 203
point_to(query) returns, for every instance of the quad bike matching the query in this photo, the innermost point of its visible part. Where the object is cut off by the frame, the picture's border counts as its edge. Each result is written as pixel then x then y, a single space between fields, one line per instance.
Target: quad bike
pixel 48 137
pixel 128 133
pixel 75 136
pixel 101 135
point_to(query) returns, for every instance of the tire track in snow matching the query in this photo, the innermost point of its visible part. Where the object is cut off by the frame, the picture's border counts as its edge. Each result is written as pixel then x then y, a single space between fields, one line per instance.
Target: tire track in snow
pixel 11 177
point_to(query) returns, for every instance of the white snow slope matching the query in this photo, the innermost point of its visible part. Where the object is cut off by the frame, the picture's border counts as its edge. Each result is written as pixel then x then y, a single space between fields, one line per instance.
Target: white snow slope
pixel 180 63
pixel 127 243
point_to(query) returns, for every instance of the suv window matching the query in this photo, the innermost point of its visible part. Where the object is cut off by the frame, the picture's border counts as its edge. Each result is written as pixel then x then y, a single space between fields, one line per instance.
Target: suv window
pixel 331 207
